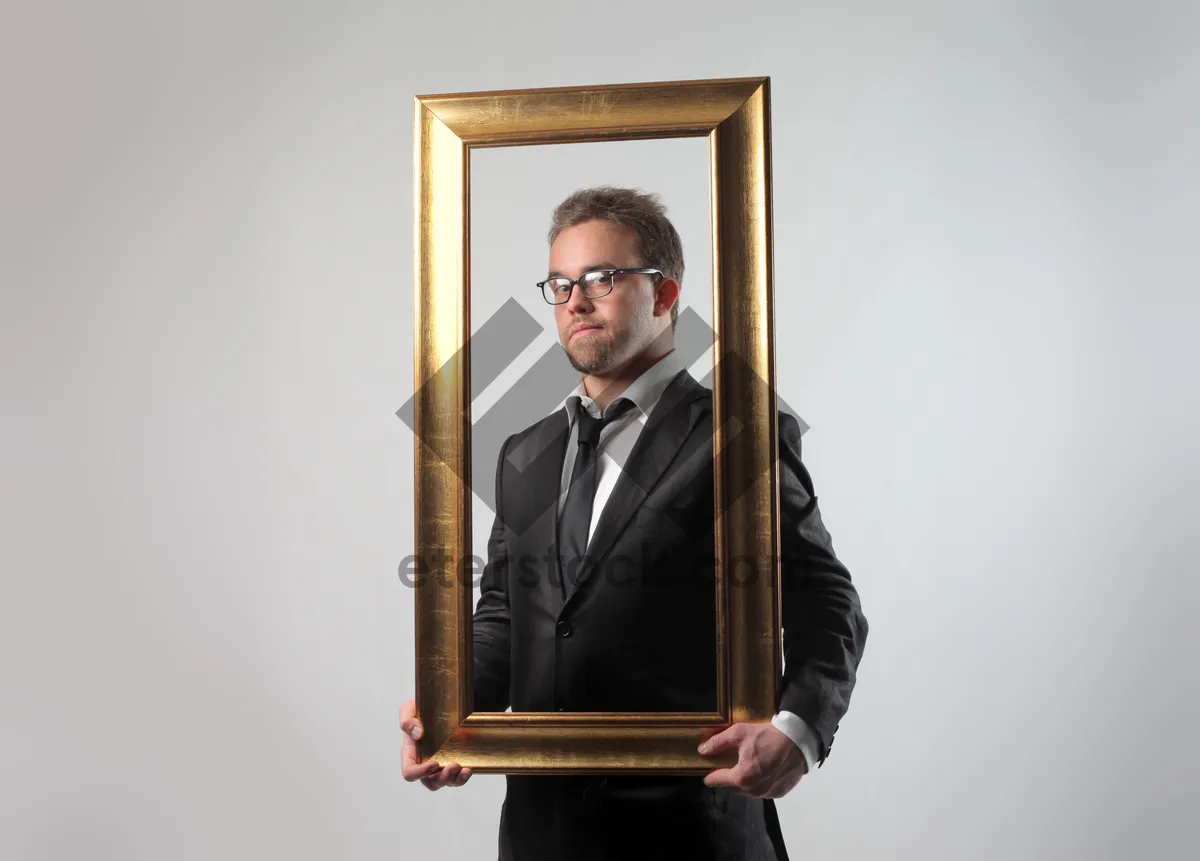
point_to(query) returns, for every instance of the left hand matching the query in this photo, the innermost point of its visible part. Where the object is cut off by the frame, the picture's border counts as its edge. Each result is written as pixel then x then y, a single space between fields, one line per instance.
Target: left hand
pixel 769 763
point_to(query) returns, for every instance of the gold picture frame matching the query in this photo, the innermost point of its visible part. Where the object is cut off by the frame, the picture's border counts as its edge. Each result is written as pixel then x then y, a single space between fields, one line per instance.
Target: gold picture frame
pixel 734 114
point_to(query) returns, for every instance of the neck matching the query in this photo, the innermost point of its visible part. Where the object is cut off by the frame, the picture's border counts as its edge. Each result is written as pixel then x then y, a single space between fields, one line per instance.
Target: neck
pixel 607 387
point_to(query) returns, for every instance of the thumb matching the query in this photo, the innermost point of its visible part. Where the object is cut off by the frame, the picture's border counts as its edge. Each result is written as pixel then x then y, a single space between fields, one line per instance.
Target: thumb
pixel 410 724
pixel 727 739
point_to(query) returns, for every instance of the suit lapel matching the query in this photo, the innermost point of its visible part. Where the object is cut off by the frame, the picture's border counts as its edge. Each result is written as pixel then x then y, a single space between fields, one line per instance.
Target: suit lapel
pixel 657 445
pixel 532 511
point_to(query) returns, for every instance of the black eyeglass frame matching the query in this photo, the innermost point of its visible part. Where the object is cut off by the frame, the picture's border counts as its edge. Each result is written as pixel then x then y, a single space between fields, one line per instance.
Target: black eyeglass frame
pixel 612 281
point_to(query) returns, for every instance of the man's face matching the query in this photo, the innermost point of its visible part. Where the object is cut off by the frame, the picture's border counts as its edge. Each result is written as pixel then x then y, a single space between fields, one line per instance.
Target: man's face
pixel 624 320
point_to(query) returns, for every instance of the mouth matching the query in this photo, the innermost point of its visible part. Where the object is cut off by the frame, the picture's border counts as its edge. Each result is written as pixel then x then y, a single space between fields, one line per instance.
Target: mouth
pixel 582 329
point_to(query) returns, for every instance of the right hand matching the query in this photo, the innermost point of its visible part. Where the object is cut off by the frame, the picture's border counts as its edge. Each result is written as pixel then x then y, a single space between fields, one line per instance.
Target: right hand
pixel 429 773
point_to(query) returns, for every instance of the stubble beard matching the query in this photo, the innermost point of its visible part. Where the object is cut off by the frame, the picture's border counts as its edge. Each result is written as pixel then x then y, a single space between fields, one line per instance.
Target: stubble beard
pixel 595 354
pixel 592 355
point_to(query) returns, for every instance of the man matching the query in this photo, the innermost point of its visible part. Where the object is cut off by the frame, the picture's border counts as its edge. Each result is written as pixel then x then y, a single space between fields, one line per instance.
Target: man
pixel 622 474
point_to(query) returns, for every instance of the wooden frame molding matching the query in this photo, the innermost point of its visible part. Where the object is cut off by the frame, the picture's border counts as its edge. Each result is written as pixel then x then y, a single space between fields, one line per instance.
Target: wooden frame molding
pixel 734 114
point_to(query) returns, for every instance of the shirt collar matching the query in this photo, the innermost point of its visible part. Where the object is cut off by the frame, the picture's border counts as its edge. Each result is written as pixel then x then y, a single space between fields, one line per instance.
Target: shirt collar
pixel 645 391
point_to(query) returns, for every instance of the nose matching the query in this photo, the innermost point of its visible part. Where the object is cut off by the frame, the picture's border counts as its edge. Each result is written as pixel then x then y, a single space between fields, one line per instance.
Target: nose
pixel 577 302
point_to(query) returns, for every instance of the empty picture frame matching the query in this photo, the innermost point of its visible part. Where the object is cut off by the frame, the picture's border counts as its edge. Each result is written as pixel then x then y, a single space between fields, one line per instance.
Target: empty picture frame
pixel 734 114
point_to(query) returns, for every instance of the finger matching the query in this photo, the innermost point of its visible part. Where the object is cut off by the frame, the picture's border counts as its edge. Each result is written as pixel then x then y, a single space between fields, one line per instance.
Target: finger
pixel 436 780
pixel 749 783
pixel 419 771
pixel 424 771
pixel 727 777
pixel 725 740
pixel 445 777
pixel 449 775
pixel 410 768
pixel 410 724
pixel 464 776
pixel 412 728
pixel 737 777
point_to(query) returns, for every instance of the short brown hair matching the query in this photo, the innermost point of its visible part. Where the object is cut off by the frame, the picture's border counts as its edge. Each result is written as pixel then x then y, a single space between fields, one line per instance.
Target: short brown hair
pixel 644 214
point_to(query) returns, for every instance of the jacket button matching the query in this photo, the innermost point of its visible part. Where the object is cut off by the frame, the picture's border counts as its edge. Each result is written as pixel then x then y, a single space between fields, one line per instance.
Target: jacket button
pixel 563 629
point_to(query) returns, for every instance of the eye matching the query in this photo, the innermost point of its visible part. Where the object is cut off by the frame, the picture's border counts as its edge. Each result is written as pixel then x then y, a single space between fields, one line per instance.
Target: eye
pixel 598 282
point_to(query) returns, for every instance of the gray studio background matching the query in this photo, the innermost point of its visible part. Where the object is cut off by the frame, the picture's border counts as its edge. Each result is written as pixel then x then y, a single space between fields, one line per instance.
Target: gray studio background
pixel 985 226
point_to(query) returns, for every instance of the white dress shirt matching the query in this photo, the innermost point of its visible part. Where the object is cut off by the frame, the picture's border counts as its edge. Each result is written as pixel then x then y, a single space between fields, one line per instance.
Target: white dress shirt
pixel 616 441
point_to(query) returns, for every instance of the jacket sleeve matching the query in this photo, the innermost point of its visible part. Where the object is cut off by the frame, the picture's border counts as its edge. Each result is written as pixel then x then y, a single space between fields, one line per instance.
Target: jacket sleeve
pixel 824 629
pixel 491 623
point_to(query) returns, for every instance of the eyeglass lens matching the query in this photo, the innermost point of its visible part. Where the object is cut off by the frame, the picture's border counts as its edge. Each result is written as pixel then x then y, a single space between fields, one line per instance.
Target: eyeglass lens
pixel 593 284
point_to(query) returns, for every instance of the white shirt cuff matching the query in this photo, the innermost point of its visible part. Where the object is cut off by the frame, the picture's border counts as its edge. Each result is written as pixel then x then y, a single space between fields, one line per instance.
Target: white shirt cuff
pixel 794 727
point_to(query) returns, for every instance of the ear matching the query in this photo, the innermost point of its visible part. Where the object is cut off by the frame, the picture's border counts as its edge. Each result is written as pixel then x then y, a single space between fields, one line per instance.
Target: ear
pixel 666 294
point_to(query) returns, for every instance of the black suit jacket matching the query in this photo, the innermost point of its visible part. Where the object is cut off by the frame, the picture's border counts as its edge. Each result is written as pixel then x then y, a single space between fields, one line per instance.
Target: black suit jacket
pixel 637 633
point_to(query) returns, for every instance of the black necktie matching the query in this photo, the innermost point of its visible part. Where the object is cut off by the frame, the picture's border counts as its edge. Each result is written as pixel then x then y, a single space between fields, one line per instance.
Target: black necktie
pixel 576 516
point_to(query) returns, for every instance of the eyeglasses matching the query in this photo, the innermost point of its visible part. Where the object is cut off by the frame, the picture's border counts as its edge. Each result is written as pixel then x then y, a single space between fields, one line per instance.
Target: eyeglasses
pixel 594 284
